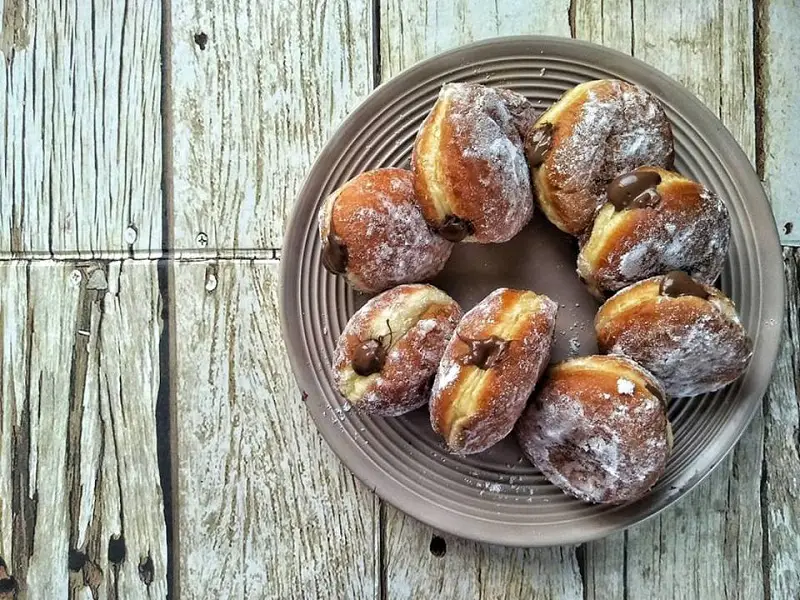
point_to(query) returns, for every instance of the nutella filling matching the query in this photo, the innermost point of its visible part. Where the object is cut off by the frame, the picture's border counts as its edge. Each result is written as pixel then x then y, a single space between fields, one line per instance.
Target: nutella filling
pixel 538 144
pixel 485 353
pixel 369 358
pixel 634 190
pixel 455 229
pixel 678 283
pixel 334 254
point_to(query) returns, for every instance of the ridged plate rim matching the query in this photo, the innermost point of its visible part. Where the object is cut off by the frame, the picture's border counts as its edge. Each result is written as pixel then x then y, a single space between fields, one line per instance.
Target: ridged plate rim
pixel 442 513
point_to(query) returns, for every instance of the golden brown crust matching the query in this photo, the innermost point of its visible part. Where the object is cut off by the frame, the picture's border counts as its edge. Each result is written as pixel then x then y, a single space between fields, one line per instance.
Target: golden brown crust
pixel 691 344
pixel 377 219
pixel 598 429
pixel 413 323
pixel 599 129
pixel 687 229
pixel 473 408
pixel 468 161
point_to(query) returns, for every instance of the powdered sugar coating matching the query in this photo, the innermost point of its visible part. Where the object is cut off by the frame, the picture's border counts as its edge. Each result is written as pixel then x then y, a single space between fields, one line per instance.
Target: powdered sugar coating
pixel 688 230
pixel 496 396
pixel 403 383
pixel 388 241
pixel 469 161
pixel 613 128
pixel 593 442
pixel 693 346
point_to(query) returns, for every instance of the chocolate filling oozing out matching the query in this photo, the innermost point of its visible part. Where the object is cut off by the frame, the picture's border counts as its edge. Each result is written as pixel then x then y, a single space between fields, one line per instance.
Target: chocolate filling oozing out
pixel 369 357
pixel 678 283
pixel 334 254
pixel 634 190
pixel 455 229
pixel 538 144
pixel 485 353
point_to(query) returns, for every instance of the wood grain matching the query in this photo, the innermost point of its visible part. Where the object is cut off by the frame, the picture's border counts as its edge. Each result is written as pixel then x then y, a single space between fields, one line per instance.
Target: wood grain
pixel 781 489
pixel 710 544
pixel 80 88
pixel 423 563
pixel 778 89
pixel 257 88
pixel 417 29
pixel 81 509
pixel 264 508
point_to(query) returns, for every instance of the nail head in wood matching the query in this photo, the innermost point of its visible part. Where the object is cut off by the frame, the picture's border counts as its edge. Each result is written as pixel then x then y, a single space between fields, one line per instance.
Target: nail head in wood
pixel 131 234
pixel 75 278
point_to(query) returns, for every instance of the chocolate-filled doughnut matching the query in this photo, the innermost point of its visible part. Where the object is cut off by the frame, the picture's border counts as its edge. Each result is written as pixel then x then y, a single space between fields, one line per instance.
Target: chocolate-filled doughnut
pixel 654 221
pixel 472 180
pixel 490 367
pixel 596 131
pixel 683 331
pixel 373 233
pixel 387 355
pixel 598 429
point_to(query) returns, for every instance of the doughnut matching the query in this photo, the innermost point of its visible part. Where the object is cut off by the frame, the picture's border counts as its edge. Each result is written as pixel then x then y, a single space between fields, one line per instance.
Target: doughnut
pixel 471 177
pixel 654 221
pixel 373 233
pixel 594 132
pixel 598 429
pixel 490 367
pixel 684 332
pixel 386 357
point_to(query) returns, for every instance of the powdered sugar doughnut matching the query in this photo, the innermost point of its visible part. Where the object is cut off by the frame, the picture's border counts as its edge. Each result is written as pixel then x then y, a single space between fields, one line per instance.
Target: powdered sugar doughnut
pixel 594 132
pixel 472 180
pixel 684 332
pixel 373 232
pixel 490 367
pixel 598 429
pixel 387 355
pixel 655 221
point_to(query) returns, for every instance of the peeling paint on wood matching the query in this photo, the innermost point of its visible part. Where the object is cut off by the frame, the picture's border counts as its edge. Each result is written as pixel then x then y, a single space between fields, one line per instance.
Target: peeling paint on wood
pixel 80 372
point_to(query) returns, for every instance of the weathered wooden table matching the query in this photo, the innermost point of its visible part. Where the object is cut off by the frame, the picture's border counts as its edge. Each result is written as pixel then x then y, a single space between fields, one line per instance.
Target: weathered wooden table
pixel 152 439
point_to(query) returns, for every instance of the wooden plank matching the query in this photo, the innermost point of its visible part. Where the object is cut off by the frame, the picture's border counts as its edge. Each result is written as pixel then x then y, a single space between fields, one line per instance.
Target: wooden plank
pixel 423 563
pixel 80 88
pixel 781 489
pixel 81 511
pixel 264 508
pixel 412 31
pixel 778 89
pixel 709 545
pixel 257 88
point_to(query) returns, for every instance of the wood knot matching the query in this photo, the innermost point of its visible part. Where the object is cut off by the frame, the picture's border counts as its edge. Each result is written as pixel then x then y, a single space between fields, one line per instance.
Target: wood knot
pixel 146 570
pixel 438 546
pixel 8 585
pixel 116 550
pixel 76 560
pixel 201 39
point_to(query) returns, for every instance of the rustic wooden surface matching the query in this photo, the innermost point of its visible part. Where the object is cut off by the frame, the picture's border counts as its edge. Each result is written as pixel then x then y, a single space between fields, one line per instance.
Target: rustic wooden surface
pixel 134 393
pixel 81 135
pixel 81 511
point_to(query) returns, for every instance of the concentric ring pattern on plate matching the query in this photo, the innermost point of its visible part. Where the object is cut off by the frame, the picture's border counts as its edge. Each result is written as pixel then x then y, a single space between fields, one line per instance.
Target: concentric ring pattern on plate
pixel 506 500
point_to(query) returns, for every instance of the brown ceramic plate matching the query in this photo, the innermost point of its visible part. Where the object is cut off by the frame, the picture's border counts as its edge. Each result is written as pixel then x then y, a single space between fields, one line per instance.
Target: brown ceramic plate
pixel 497 496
